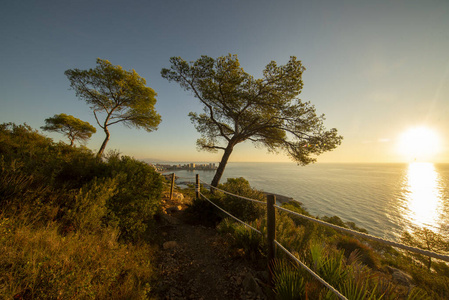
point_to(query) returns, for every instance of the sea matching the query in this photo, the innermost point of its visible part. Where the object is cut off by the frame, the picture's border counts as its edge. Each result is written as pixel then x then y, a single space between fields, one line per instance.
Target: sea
pixel 385 199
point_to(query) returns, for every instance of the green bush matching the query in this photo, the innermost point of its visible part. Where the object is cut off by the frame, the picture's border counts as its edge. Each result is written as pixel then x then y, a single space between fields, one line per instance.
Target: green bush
pixel 86 209
pixel 243 237
pixel 350 244
pixel 200 211
pixel 137 197
pixel 243 209
pixel 86 192
pixel 62 213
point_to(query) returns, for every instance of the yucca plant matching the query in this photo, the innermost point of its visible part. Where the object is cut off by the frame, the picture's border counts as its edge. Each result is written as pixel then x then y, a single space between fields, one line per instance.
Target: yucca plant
pixel 329 265
pixel 417 294
pixel 288 280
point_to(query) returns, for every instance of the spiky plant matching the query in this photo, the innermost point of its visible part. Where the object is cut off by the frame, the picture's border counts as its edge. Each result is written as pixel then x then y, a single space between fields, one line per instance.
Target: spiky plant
pixel 289 283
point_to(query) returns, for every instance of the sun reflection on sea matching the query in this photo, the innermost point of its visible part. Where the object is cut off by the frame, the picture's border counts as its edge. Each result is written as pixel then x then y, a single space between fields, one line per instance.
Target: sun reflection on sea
pixel 423 195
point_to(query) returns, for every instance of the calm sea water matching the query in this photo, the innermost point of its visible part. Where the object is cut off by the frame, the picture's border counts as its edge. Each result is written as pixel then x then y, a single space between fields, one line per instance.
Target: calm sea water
pixel 385 199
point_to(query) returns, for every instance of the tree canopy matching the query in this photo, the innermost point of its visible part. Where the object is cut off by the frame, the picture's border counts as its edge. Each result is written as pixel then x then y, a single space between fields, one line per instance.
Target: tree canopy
pixel 238 108
pixel 73 128
pixel 120 96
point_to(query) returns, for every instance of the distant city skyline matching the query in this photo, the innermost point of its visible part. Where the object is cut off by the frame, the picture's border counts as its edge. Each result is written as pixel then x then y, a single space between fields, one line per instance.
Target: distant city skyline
pixel 376 69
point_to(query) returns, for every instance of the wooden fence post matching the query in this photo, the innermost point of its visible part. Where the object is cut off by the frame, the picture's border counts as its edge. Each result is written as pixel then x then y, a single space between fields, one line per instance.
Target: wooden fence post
pixel 271 234
pixel 197 186
pixel 172 185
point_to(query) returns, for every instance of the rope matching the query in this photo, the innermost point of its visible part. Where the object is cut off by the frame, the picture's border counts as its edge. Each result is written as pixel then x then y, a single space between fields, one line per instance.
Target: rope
pixel 368 236
pixel 235 218
pixel 317 277
pixel 189 178
pixel 231 194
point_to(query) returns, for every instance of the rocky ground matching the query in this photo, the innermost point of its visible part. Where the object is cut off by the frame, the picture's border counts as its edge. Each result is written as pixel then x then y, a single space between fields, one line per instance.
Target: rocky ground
pixel 196 262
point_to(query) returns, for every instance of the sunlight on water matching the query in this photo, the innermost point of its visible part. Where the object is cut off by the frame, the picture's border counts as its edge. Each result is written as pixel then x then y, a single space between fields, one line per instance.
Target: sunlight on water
pixel 423 194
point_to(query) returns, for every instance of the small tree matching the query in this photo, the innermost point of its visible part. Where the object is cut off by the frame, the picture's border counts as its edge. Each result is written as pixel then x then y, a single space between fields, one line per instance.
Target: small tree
pixel 120 95
pixel 73 128
pixel 238 108
pixel 426 239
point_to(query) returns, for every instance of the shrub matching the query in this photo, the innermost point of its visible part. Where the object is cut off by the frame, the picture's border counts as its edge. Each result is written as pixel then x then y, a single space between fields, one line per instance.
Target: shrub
pixel 243 209
pixel 137 197
pixel 86 209
pixel 87 191
pixel 200 211
pixel 243 238
pixel 366 253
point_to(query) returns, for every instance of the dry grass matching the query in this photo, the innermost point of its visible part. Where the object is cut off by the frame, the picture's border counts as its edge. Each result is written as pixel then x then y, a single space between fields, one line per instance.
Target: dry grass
pixel 37 263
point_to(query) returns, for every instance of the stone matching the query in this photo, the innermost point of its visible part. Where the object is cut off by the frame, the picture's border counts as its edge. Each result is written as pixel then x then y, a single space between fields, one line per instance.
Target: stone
pixel 250 285
pixel 178 196
pixel 173 209
pixel 170 219
pixel 169 245
pixel 400 277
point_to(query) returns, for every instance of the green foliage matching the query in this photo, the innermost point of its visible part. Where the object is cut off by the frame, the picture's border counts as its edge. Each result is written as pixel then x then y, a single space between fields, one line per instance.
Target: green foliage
pixel 85 192
pixel 200 211
pixel 329 265
pixel 238 107
pixel 289 280
pixel 240 208
pixel 137 198
pixel 62 214
pixel 294 237
pixel 73 128
pixel 120 95
pixel 86 210
pixel 366 253
pixel 243 237
pixel 426 239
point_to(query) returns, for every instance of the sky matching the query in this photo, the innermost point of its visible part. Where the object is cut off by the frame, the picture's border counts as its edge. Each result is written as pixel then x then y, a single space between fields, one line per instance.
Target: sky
pixel 374 68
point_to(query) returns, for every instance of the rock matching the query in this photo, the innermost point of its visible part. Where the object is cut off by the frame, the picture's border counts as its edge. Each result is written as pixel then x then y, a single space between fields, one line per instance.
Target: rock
pixel 175 196
pixel 400 276
pixel 173 209
pixel 250 285
pixel 170 244
pixel 170 219
pixel 178 196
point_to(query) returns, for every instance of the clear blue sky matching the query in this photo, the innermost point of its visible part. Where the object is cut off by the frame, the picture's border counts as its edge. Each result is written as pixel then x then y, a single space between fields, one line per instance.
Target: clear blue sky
pixel 374 68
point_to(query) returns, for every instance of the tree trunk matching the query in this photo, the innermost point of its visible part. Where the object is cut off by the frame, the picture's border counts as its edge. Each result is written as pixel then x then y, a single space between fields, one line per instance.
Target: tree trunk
pixel 106 140
pixel 222 165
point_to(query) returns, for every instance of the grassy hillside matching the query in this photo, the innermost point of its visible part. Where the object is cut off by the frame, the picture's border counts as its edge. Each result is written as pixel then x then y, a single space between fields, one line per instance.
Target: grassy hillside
pixel 73 226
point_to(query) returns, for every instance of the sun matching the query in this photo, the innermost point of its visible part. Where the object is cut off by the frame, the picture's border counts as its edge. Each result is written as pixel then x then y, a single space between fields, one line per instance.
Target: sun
pixel 419 143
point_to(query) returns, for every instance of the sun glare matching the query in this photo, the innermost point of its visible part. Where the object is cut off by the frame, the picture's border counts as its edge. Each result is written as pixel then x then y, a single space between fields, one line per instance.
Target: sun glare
pixel 419 143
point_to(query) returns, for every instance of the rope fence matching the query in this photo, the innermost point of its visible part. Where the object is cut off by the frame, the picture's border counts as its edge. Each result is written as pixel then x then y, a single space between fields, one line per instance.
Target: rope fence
pixel 235 218
pixel 368 236
pixel 315 275
pixel 272 242
pixel 231 194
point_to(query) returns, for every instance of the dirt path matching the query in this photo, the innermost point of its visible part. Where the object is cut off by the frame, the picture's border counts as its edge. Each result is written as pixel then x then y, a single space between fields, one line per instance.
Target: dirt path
pixel 195 262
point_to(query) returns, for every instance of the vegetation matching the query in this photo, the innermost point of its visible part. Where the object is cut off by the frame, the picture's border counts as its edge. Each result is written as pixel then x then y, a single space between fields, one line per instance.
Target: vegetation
pixel 118 94
pixel 239 108
pixel 73 226
pixel 428 240
pixel 358 268
pixel 73 128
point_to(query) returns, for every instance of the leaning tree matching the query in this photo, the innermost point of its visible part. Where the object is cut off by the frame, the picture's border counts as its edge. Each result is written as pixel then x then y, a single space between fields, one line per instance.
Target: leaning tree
pixel 68 125
pixel 118 95
pixel 238 108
